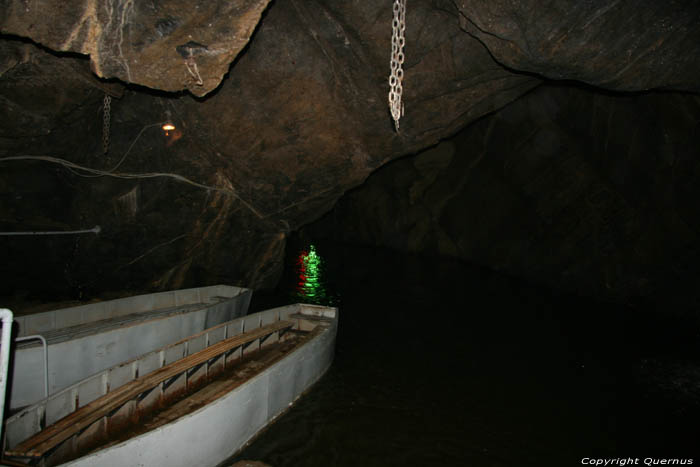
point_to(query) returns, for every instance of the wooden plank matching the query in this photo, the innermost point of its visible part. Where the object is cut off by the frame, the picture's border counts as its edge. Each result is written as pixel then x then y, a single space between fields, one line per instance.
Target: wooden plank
pixel 312 318
pixel 39 444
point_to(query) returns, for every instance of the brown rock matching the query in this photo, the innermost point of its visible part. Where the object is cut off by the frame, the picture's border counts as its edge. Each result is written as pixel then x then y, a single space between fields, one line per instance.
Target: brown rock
pixel 143 42
pixel 300 119
pixel 623 45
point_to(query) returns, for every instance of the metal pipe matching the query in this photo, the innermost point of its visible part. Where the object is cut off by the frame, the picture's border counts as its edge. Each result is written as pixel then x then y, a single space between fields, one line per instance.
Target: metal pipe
pixel 46 358
pixel 6 316
pixel 96 230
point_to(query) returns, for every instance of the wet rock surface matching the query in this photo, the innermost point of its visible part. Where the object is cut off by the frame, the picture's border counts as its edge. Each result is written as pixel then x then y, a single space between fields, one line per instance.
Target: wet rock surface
pixel 290 115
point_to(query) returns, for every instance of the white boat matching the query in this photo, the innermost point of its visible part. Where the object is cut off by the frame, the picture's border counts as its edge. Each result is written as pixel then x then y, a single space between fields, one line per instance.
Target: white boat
pixel 194 402
pixel 86 339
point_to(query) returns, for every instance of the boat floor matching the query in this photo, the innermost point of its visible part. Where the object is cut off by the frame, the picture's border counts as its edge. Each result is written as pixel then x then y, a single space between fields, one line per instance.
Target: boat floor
pixel 223 383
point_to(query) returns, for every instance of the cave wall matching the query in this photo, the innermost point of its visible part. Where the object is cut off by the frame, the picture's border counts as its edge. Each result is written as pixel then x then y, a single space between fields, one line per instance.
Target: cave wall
pixel 273 147
pixel 146 43
pixel 594 193
pixel 290 115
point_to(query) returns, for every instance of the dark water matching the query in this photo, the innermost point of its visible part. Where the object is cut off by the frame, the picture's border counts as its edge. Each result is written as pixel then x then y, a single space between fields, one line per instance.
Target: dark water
pixel 440 363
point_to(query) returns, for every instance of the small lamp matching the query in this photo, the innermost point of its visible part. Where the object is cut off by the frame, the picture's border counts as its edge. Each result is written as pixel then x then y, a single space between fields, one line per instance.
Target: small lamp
pixel 168 125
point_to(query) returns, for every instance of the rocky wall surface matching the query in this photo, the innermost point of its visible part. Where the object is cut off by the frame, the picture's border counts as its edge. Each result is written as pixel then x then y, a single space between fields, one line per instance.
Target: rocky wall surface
pixel 582 191
pixel 166 45
pixel 291 114
pixel 625 45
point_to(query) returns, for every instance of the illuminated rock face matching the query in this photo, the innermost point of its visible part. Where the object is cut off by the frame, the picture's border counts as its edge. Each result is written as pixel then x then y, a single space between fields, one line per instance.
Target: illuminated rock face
pixel 147 43
pixel 300 118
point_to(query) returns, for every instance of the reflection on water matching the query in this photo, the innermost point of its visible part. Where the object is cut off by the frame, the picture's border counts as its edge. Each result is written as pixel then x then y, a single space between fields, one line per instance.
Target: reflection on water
pixel 442 363
pixel 311 281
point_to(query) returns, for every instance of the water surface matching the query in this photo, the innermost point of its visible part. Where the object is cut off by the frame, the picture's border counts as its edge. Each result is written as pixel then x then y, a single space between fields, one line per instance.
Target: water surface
pixel 441 363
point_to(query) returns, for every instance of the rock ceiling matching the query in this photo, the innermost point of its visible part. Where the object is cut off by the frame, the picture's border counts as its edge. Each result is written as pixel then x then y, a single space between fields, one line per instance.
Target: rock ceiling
pixel 280 108
pixel 145 43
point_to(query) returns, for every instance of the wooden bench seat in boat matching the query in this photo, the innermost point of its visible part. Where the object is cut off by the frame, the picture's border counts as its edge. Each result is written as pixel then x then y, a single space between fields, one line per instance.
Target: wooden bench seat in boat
pixel 44 441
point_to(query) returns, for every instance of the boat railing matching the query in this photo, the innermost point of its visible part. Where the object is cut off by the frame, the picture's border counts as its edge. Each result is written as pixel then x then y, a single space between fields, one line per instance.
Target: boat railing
pixel 46 358
pixel 33 419
pixel 48 321
pixel 6 317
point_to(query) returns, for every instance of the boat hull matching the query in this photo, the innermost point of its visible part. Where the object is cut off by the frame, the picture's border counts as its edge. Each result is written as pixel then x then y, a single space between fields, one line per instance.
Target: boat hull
pixel 215 432
pixel 104 334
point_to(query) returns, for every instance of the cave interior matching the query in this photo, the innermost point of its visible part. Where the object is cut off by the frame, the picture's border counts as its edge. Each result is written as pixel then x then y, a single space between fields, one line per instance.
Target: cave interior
pixel 556 142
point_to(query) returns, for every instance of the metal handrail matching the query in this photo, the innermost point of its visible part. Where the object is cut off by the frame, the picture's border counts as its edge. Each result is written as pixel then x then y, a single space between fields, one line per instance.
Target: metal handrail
pixel 46 358
pixel 6 316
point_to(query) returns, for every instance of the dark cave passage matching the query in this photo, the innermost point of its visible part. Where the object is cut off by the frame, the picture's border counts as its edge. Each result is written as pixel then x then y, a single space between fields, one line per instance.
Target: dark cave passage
pixel 583 191
pixel 443 363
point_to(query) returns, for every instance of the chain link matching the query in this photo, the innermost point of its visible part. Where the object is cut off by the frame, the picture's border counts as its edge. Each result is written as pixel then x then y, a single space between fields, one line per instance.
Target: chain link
pixel 191 66
pixel 398 28
pixel 106 116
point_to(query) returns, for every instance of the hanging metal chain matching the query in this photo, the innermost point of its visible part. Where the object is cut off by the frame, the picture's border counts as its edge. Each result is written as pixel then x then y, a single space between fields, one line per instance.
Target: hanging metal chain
pixel 106 116
pixel 191 66
pixel 398 28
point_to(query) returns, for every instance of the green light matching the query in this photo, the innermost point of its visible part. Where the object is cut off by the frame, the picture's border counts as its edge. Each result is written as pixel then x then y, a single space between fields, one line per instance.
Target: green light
pixel 311 286
pixel 312 262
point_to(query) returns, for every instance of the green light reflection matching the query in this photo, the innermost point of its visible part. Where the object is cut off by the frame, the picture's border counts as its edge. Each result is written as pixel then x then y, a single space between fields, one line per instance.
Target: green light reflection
pixel 311 285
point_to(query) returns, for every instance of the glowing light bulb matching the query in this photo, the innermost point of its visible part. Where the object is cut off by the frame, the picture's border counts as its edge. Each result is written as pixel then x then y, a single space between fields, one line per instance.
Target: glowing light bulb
pixel 167 127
